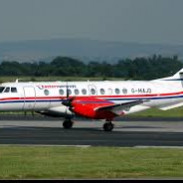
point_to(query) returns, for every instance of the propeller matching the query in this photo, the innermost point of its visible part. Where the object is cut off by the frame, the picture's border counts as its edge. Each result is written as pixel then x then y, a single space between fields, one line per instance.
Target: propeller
pixel 67 91
pixel 68 101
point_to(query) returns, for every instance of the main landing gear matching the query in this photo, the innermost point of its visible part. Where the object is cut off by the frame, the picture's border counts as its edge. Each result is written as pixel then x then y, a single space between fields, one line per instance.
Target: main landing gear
pixel 68 123
pixel 108 126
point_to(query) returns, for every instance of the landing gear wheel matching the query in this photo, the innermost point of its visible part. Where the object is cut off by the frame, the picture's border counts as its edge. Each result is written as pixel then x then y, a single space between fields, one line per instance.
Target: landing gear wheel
pixel 67 124
pixel 108 127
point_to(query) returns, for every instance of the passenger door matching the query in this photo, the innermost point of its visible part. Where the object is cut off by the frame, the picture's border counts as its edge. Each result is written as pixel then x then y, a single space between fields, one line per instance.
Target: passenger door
pixel 29 98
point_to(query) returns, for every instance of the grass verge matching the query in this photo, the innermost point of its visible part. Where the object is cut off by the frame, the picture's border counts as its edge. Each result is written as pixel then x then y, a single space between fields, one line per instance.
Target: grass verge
pixel 177 112
pixel 34 162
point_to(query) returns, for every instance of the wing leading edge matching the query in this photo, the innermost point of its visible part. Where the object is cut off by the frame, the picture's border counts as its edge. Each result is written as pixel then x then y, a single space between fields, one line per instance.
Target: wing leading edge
pixel 119 108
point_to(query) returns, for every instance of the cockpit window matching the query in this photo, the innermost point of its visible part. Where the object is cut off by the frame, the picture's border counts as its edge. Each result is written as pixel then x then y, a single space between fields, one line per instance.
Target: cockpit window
pixel 7 90
pixel 2 89
pixel 14 90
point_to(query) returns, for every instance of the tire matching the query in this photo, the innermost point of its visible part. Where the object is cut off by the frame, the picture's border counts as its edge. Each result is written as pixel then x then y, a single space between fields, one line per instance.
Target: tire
pixel 108 127
pixel 67 124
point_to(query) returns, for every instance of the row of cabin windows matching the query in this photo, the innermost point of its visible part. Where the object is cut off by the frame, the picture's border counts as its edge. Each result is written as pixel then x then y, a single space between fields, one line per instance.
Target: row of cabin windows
pixel 92 91
pixel 62 92
pixel 8 89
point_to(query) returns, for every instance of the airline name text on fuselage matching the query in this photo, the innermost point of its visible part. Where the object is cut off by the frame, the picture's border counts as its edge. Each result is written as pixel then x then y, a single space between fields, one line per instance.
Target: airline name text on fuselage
pixel 55 86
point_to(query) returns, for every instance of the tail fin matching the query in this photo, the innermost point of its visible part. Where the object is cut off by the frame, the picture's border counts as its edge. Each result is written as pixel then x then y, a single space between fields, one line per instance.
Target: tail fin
pixel 176 77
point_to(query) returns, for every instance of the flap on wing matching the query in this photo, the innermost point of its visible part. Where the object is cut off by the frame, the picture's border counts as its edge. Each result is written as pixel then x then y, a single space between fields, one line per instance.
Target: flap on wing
pixel 122 106
pixel 164 108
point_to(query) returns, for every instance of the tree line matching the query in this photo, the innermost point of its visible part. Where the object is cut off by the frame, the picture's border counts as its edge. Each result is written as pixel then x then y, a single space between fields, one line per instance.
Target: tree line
pixel 142 68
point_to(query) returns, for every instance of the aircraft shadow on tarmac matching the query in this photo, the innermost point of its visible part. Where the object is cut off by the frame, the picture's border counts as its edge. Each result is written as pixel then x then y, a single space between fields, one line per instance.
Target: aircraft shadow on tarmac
pixel 87 136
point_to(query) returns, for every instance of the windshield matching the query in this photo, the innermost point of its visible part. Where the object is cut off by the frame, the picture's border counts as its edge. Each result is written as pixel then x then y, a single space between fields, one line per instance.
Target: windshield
pixel 1 89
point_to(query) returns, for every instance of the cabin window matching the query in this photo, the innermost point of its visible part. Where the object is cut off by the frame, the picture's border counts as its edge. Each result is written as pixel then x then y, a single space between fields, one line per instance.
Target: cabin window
pixel 46 92
pixel 93 92
pixel 2 89
pixel 125 91
pixel 7 90
pixel 76 92
pixel 13 90
pixel 117 91
pixel 61 92
pixel 84 91
pixel 102 91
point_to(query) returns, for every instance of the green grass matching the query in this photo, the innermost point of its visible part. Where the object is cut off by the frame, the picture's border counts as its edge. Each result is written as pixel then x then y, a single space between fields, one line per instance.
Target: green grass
pixel 177 112
pixel 27 162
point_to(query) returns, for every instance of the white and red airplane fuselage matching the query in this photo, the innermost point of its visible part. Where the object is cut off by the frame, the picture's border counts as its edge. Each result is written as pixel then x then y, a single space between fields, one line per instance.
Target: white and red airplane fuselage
pixel 95 100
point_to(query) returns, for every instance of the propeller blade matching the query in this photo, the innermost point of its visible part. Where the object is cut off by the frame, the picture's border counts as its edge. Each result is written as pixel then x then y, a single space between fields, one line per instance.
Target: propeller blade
pixel 67 101
pixel 67 91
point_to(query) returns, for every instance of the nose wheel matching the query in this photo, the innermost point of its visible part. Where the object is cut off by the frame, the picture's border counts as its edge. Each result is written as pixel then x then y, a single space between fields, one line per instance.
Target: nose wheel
pixel 108 126
pixel 67 124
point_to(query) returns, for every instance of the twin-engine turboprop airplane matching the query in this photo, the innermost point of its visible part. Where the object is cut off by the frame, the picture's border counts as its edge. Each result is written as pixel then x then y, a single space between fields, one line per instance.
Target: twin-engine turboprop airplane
pixel 96 100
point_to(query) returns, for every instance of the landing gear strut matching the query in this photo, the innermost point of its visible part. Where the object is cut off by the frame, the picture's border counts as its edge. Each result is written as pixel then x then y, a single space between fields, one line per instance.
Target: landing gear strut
pixel 67 124
pixel 108 126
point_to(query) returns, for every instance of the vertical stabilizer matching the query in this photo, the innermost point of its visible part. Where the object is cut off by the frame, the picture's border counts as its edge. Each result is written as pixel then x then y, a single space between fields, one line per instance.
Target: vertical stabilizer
pixel 178 76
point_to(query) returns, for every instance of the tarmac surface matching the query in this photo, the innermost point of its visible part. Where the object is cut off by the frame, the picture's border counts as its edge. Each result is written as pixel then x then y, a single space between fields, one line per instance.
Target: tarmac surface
pixel 128 133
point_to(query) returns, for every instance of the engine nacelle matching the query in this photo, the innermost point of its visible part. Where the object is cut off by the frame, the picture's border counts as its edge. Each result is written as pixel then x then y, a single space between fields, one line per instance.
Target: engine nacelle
pixel 87 107
pixel 61 111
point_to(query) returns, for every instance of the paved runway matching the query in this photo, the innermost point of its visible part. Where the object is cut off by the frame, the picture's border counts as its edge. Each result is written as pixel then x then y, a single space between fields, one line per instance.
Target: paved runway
pixel 125 134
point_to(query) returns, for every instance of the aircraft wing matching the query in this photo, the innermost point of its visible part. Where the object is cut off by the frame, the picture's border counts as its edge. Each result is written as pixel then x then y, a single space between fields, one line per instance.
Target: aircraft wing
pixel 118 108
